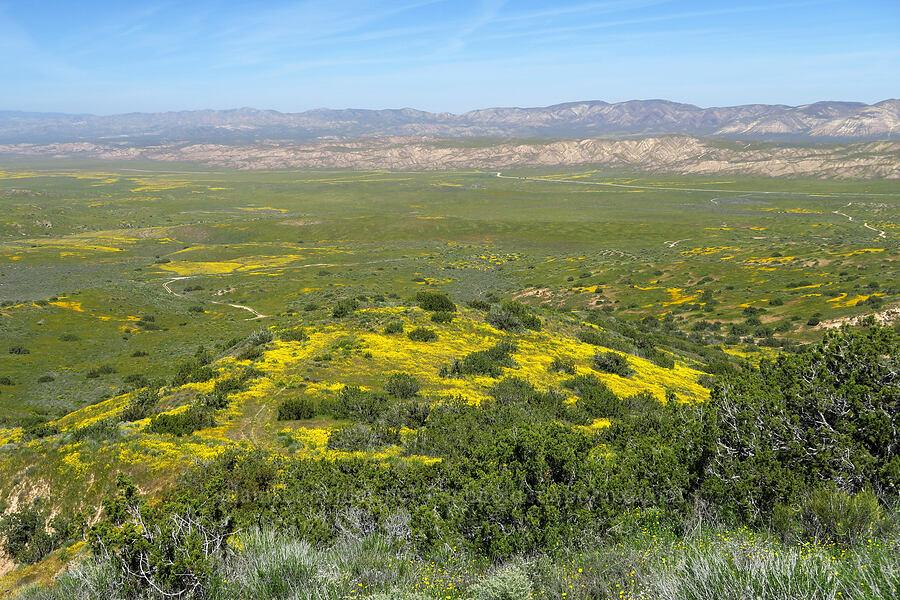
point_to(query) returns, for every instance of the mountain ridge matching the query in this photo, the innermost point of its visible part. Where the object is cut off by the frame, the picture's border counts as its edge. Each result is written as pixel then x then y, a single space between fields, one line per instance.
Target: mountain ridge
pixel 818 121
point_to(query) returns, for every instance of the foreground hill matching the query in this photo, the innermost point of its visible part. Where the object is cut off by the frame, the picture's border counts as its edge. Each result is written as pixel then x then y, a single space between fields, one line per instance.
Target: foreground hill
pixel 817 121
pixel 669 154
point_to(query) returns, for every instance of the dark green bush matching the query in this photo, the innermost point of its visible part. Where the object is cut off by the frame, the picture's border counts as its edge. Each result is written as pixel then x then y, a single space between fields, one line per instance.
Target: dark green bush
pixel 28 536
pixel 402 385
pixel 829 415
pixel 393 327
pixel 69 337
pixel 38 431
pixel 562 365
pixel 513 316
pixel 831 515
pixel 422 334
pixel 354 403
pixel 192 370
pixel 19 349
pixel 479 305
pixel 612 362
pixel 297 408
pixel 488 362
pixel 183 423
pixel 359 438
pixel 344 307
pixel 442 317
pixel 295 334
pixel 141 405
pixel 435 302
pixel 594 397
pixel 250 353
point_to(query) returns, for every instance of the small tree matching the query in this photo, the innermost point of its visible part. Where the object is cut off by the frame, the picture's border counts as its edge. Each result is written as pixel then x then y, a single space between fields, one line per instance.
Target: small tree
pixel 402 385
pixel 612 362
pixel 435 302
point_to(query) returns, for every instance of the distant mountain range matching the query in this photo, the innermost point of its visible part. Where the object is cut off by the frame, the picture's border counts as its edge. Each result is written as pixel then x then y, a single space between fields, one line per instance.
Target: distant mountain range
pixel 821 121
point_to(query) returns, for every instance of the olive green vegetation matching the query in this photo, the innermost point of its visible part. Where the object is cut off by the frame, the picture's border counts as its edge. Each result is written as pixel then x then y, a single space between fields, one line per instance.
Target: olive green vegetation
pixel 191 298
pixel 671 501
pixel 104 238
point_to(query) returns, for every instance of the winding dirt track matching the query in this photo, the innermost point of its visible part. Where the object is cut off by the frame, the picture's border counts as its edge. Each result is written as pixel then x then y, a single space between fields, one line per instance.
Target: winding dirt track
pixel 256 314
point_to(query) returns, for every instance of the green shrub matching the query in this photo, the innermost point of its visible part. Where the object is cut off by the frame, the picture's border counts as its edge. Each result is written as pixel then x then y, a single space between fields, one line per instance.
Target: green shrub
pixel 612 362
pixel 435 302
pixel 442 317
pixel 19 349
pixel 510 583
pixel 5 380
pixel 344 307
pixel 422 334
pixel 593 337
pixel 183 423
pixel 297 408
pixel 353 403
pixel 141 405
pixel 513 316
pixel 562 365
pixel 594 397
pixel 171 547
pixel 192 370
pixel 295 334
pixel 38 431
pixel 808 420
pixel 393 327
pixel 834 515
pixel 359 438
pixel 488 362
pixel 479 305
pixel 28 536
pixel 46 378
pixel 148 323
pixel 250 353
pixel 402 385
pixel 69 337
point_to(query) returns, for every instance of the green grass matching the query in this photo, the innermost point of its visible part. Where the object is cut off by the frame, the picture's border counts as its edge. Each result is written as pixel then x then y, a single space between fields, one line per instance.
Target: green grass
pixel 100 233
pixel 713 564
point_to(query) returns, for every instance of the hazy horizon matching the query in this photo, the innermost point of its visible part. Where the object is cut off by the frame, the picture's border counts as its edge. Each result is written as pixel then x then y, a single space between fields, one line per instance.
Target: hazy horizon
pixel 380 108
pixel 102 58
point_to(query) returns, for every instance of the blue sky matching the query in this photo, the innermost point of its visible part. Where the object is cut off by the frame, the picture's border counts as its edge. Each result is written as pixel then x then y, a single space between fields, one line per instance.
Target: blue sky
pixel 113 57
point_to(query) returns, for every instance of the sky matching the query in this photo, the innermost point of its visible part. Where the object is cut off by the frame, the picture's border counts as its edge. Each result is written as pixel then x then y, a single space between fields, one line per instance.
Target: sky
pixel 443 55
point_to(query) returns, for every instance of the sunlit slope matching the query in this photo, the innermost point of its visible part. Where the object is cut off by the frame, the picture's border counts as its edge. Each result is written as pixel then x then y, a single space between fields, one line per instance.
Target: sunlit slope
pixel 76 467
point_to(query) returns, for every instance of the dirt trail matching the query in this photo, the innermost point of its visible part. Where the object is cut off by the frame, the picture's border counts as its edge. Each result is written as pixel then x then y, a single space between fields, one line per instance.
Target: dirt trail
pixel 256 314
pixel 881 233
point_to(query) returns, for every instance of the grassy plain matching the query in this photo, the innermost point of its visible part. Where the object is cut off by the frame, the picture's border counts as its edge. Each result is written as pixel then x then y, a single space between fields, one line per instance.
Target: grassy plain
pixel 86 248
pixel 112 274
